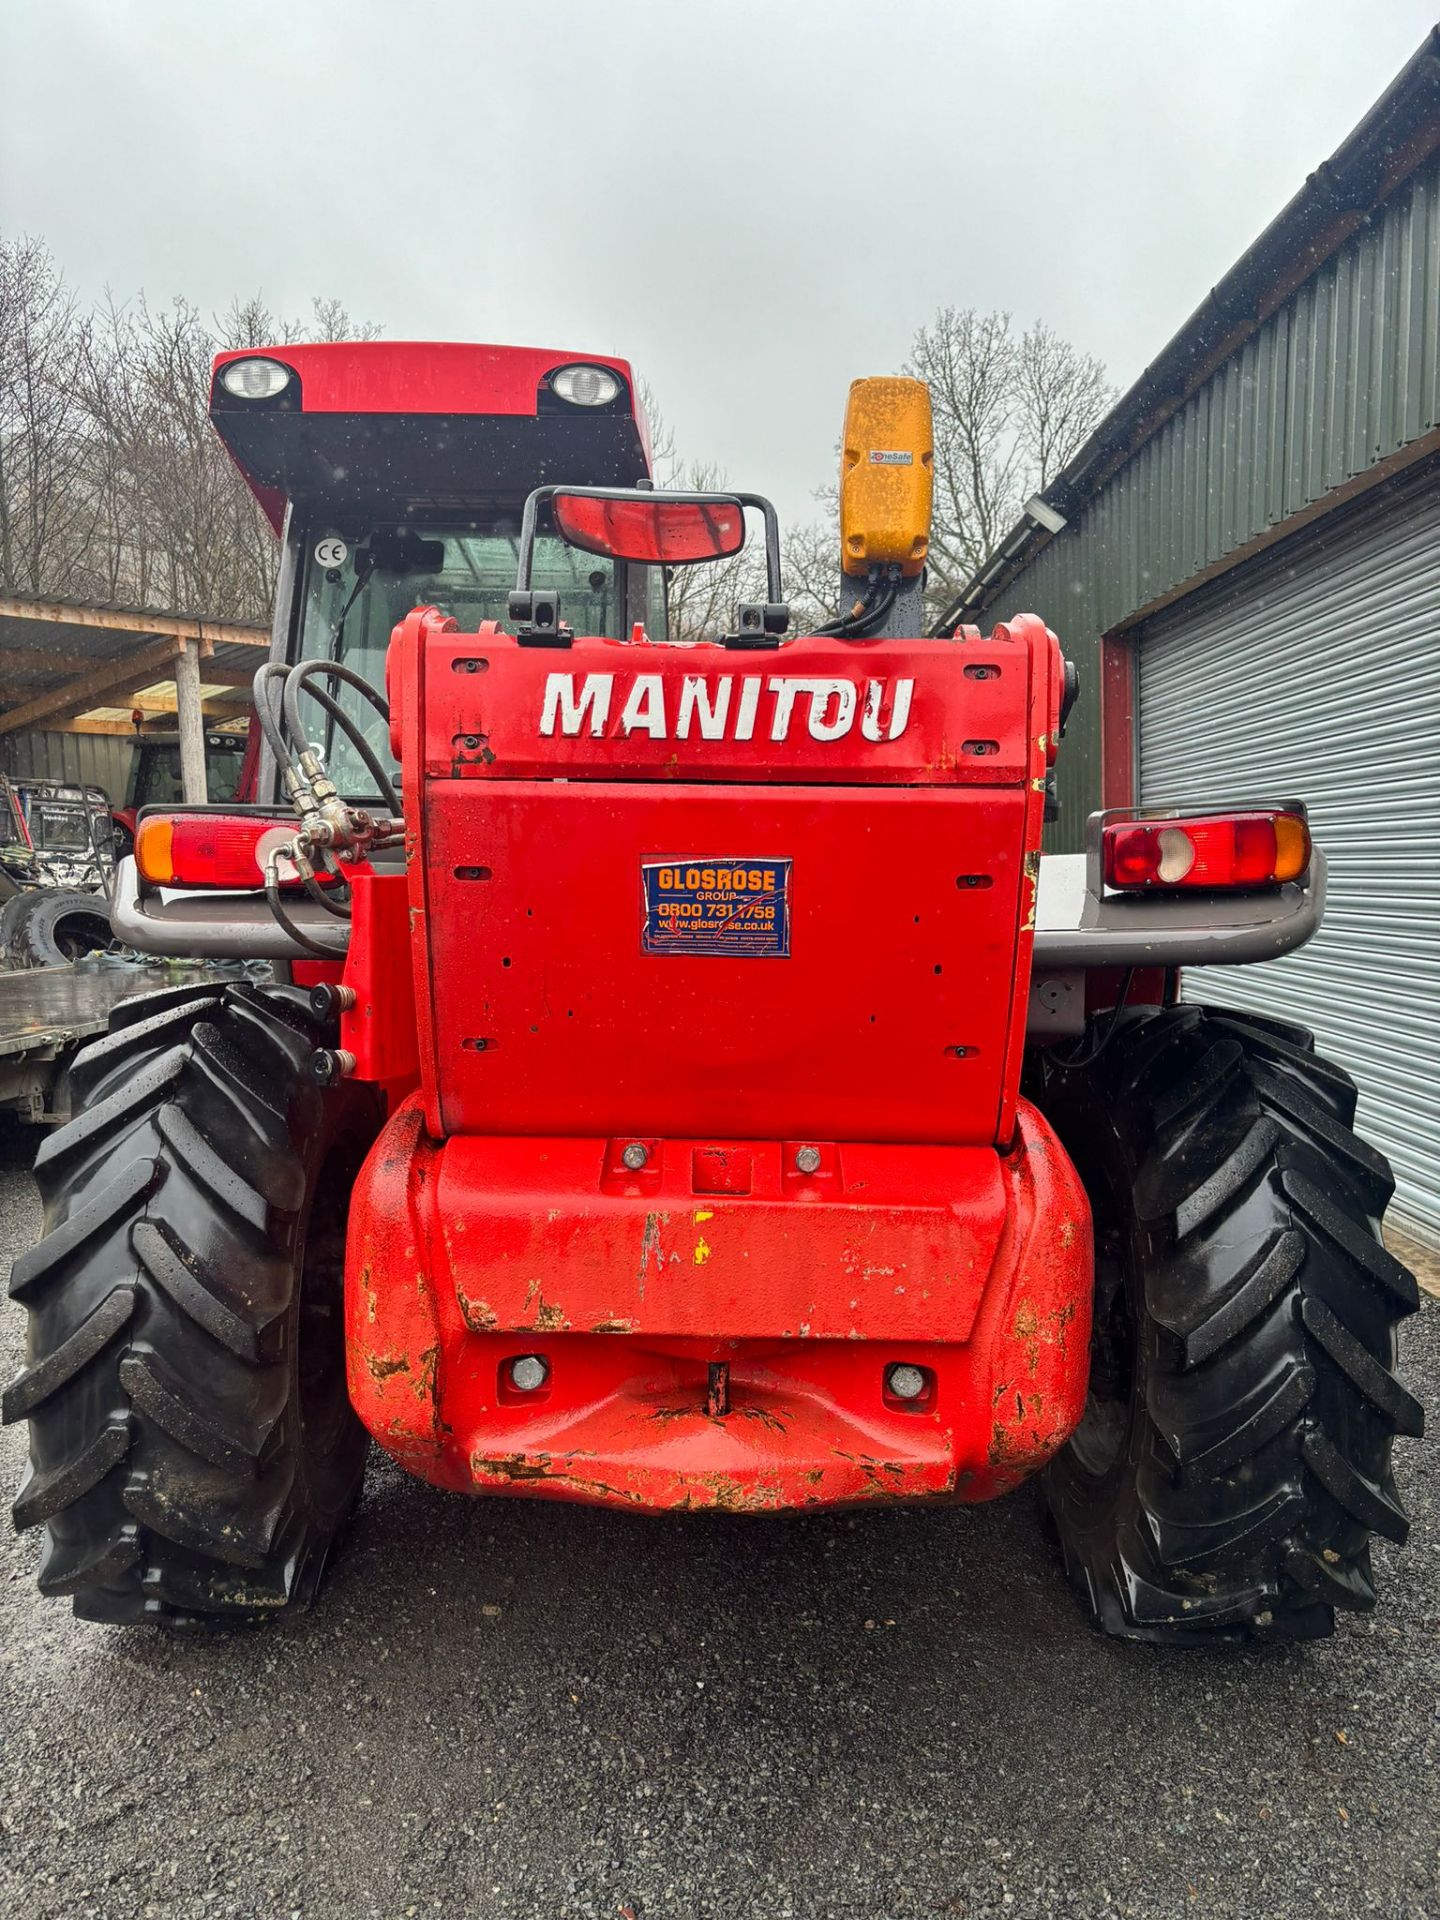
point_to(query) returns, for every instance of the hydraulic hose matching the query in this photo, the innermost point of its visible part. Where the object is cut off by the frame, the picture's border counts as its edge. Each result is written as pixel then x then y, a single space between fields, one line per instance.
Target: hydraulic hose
pixel 285 923
pixel 265 711
pixel 317 893
pixel 298 675
pixel 298 678
pixel 284 732
pixel 383 784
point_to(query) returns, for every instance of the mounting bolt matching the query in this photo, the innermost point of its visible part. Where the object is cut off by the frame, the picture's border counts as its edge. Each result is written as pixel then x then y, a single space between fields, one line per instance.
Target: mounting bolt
pixel 529 1372
pixel 635 1156
pixel 905 1382
pixel 326 1001
pixel 331 1064
pixel 807 1159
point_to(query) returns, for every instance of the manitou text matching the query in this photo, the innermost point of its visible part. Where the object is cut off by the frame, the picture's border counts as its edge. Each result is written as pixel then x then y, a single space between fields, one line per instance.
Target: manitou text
pixel 725 706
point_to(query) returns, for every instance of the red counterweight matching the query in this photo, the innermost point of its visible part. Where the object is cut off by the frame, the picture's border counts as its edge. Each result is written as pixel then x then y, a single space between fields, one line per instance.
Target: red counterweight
pixel 720 958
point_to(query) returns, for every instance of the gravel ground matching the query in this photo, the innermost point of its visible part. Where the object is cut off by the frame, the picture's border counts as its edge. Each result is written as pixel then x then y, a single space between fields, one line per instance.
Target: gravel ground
pixel 520 1709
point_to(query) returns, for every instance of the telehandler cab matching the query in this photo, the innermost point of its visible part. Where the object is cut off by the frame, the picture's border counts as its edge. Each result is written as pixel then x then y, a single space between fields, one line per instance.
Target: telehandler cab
pixel 685 1084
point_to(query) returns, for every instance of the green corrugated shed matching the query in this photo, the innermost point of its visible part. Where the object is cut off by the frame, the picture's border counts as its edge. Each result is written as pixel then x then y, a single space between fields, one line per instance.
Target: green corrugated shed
pixel 1238 429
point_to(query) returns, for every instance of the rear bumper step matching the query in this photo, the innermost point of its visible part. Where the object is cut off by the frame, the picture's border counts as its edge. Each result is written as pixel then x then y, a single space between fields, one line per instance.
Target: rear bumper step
pixel 718 1327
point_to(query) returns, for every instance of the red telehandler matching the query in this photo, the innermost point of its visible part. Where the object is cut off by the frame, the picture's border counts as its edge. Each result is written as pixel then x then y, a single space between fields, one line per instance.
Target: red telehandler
pixel 685 1085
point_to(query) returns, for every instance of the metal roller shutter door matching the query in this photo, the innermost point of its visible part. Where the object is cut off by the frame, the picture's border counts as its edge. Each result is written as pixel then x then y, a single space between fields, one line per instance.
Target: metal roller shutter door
pixel 1318 674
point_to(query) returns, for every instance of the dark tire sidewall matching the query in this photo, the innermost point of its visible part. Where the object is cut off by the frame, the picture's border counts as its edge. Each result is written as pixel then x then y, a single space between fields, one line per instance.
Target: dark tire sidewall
pixel 1099 1501
pixel 329 1468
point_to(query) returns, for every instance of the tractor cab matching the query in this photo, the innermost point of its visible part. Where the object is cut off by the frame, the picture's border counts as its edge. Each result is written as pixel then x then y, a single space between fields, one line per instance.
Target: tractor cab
pixel 397 476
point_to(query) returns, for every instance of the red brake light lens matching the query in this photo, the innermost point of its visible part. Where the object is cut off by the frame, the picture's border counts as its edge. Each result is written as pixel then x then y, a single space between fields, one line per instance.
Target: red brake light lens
pixel 209 849
pixel 1233 850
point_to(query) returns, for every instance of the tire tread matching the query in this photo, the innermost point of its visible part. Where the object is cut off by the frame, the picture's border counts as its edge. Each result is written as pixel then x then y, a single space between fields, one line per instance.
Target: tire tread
pixel 1259 1463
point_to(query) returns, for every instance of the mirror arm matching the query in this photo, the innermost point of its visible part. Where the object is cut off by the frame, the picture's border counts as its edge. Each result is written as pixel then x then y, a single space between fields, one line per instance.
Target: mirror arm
pixel 527 536
pixel 772 542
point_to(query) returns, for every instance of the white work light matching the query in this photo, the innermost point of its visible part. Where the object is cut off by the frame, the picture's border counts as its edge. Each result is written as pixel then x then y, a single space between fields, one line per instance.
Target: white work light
pixel 254 379
pixel 585 386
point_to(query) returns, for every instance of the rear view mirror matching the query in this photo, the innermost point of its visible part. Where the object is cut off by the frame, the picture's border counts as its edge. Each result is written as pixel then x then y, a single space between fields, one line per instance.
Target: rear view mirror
pixel 399 550
pixel 658 532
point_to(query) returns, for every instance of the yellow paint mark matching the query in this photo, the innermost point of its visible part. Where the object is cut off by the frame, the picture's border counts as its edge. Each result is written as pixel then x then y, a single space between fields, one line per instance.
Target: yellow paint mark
pixel 702 1253
pixel 704 1213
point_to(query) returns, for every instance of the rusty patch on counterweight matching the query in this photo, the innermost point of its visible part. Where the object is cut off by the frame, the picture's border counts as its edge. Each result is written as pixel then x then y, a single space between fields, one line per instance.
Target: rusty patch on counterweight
pixel 1027 1332
pixel 774 1421
pixel 423 1384
pixel 733 1496
pixel 478 1315
pixel 513 1466
pixel 1061 1318
pixel 1034 1330
pixel 382 1369
pixel 548 1318
pixel 649 1244
pixel 876 1488
pixel 522 1469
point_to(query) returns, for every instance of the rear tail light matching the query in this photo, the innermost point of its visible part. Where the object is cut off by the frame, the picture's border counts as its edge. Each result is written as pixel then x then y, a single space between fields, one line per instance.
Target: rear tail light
pixel 211 849
pixel 1257 849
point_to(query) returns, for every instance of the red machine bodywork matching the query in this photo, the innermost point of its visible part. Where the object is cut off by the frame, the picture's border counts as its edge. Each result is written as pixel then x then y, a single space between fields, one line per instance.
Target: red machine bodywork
pixel 973 1264
pixel 546 1025
pixel 431 392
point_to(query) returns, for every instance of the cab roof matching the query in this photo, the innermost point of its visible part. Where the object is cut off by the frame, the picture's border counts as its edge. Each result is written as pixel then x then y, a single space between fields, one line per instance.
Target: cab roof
pixel 391 427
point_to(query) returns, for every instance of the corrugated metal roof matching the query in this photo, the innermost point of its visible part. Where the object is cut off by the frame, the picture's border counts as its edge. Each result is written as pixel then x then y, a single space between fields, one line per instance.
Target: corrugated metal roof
pixel 138 619
pixel 49 646
pixel 1339 376
pixel 1343 290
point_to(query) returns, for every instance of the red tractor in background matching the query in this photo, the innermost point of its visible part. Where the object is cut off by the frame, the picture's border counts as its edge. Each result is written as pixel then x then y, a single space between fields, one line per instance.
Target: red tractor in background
pixel 686 1085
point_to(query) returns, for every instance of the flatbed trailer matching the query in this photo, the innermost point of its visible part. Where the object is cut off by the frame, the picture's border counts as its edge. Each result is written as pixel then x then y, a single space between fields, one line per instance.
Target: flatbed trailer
pixel 46 1013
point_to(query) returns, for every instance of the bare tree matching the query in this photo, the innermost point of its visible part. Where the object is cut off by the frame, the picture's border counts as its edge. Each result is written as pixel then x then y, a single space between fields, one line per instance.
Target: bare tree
pixel 44 512
pixel 253 323
pixel 113 485
pixel 967 360
pixel 1062 395
pixel 170 539
pixel 664 458
pixel 701 600
pixel 812 572
pixel 1009 413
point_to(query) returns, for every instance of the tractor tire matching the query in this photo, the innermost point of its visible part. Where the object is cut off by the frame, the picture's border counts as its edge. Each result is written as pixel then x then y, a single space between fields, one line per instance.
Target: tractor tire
pixel 52 927
pixel 10 914
pixel 1233 1461
pixel 193 1453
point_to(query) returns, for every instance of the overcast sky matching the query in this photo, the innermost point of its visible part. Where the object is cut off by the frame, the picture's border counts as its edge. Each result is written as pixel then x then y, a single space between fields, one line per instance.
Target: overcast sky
pixel 753 200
